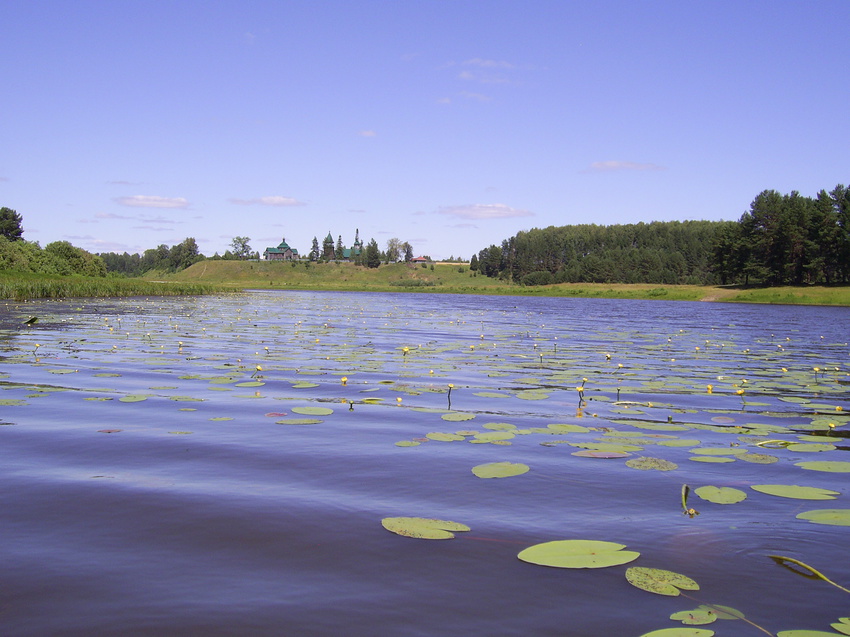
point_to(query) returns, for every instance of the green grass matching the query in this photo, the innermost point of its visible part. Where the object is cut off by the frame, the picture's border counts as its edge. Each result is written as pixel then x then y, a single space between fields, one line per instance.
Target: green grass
pixel 458 279
pixel 209 277
pixel 22 286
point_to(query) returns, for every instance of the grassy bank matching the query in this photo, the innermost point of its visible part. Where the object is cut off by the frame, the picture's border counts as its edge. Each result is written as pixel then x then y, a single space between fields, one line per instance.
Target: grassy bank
pixel 458 279
pixel 22 286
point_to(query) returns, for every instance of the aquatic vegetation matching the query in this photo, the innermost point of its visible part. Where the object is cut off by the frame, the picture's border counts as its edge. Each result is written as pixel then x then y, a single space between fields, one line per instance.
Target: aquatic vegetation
pixel 434 425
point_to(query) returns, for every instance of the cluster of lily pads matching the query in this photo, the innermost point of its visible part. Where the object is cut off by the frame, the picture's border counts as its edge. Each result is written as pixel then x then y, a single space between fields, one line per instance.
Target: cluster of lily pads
pixel 651 398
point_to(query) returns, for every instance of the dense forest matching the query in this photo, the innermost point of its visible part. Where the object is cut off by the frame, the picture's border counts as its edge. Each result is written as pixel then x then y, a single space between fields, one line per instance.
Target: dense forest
pixel 782 239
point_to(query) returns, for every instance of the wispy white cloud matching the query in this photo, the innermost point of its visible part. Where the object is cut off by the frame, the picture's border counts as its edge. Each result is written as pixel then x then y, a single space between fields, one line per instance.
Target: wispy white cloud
pixel 150 201
pixel 367 133
pixel 275 200
pixel 122 182
pixel 613 166
pixel 111 215
pixel 484 211
pixel 489 64
pixel 4 179
pixel 478 97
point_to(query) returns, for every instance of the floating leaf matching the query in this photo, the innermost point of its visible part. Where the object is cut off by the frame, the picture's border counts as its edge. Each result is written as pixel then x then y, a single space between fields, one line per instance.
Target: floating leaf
pixel 645 463
pixel 830 466
pixel 794 491
pixel 578 554
pixel 804 633
pixel 250 383
pixel 833 517
pixel 589 453
pixel 135 398
pixel 443 437
pixel 710 459
pixel 719 451
pixel 697 617
pixel 299 421
pixel 408 443
pixel 721 495
pixel 423 528
pixel 457 416
pixel 758 458
pixel 680 632
pixel 842 625
pixel 500 469
pixel 313 411
pixel 656 580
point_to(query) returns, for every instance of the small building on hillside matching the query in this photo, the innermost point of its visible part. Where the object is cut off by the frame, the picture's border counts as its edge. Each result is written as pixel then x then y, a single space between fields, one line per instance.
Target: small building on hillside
pixel 281 253
pixel 419 260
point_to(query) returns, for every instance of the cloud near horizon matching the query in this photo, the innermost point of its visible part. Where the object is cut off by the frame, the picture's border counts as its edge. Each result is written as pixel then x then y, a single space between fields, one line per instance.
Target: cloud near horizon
pixel 613 166
pixel 484 211
pixel 268 201
pixel 149 201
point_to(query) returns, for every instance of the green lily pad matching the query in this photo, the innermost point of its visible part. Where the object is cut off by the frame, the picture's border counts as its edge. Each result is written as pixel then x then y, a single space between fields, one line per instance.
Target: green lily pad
pixel 493 436
pixel 605 455
pixel 719 451
pixel 500 469
pixel 304 385
pixel 680 632
pixel 696 617
pixel 299 421
pixel 758 458
pixel 457 416
pixel 830 466
pixel 423 528
pixel 721 495
pixel 842 625
pixel 656 580
pixel 567 429
pixel 443 437
pixel 407 443
pixel 312 411
pixel 578 554
pixel 645 463
pixel 796 492
pixel 135 398
pixel 832 517
pixel 712 459
pixel 250 383
pixel 804 633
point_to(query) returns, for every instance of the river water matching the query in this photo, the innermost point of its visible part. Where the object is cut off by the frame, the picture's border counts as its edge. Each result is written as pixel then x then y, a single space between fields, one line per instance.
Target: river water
pixel 222 465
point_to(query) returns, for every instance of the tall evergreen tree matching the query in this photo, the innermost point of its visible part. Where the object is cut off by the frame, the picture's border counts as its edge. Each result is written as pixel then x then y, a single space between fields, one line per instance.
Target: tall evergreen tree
pixel 10 224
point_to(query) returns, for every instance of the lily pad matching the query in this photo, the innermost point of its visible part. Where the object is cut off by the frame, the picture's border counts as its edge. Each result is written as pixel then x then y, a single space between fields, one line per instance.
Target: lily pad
pixel 423 528
pixel 656 580
pixel 721 495
pixel 830 466
pixel 796 492
pixel 680 632
pixel 578 554
pixel 457 416
pixel 299 421
pixel 696 617
pixel 312 411
pixel 645 463
pixel 832 517
pixel 500 469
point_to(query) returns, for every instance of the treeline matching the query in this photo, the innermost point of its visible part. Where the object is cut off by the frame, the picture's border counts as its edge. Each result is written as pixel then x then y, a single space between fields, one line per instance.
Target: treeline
pixel 667 252
pixel 781 240
pixel 59 258
pixel 787 240
pixel 162 258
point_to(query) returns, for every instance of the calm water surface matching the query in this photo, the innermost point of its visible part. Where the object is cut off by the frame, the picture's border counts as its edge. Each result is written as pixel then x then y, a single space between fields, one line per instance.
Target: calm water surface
pixel 156 479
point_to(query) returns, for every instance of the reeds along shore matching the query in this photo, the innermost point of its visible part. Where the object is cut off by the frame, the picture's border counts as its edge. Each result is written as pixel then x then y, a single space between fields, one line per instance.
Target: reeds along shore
pixel 25 288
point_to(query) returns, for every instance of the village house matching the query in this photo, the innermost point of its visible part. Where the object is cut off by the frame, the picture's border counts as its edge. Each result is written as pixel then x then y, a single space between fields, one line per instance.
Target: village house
pixel 281 253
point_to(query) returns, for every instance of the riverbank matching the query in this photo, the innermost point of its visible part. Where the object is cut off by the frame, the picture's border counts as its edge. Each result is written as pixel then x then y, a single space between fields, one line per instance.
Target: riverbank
pixel 25 286
pixel 455 278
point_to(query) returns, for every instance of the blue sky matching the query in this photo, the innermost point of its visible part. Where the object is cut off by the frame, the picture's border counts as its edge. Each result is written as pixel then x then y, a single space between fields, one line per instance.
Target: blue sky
pixel 449 124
